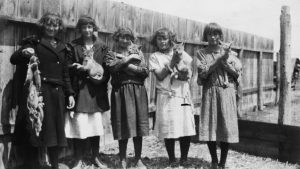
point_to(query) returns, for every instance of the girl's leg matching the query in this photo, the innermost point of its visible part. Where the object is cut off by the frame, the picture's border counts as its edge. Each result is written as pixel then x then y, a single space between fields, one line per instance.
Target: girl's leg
pixel 212 146
pixel 122 149
pixel 170 145
pixel 224 151
pixel 53 156
pixel 138 142
pixel 79 148
pixel 184 147
pixel 95 145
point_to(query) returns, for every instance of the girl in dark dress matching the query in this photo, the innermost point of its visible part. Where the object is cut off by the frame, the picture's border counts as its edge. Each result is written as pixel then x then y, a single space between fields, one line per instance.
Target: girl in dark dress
pixel 85 125
pixel 55 86
pixel 129 101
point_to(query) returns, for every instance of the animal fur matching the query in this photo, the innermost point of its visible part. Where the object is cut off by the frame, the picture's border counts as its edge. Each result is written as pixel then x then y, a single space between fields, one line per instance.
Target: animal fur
pixel 34 100
pixel 181 68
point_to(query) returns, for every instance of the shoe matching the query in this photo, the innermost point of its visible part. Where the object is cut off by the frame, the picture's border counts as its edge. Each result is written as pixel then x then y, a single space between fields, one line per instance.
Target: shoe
pixel 139 164
pixel 214 166
pixel 123 164
pixel 221 166
pixel 78 165
pixel 183 162
pixel 97 162
pixel 172 163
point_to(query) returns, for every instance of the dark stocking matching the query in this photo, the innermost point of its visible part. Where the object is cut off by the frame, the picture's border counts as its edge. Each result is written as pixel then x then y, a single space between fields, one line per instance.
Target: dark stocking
pixel 53 156
pixel 224 151
pixel 137 142
pixel 123 148
pixel 184 147
pixel 170 146
pixel 95 145
pixel 212 146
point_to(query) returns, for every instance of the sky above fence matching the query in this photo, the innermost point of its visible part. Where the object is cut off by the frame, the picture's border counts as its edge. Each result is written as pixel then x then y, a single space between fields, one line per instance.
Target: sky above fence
pixel 261 17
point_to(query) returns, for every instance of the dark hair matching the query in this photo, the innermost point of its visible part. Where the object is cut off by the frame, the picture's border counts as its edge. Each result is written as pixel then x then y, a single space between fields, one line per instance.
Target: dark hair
pixel 212 28
pixel 124 31
pixel 84 20
pixel 52 18
pixel 162 32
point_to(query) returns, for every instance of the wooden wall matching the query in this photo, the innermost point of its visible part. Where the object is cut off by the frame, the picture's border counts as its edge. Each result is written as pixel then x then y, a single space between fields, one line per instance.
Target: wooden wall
pixel 18 18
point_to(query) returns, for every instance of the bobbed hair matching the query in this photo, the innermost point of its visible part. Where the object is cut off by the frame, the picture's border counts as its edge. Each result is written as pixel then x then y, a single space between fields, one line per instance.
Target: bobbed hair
pixel 212 28
pixel 122 31
pixel 85 20
pixel 50 18
pixel 163 32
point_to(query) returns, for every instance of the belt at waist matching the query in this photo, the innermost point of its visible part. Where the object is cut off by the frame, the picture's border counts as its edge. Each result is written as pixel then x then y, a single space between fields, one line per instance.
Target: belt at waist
pixel 127 82
pixel 53 81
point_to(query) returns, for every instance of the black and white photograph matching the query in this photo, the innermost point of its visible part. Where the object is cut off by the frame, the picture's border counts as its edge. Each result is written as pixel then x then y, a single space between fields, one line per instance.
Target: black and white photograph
pixel 149 84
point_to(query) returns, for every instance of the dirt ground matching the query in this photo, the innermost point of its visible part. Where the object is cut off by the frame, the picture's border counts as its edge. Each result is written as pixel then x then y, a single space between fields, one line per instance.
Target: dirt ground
pixel 155 155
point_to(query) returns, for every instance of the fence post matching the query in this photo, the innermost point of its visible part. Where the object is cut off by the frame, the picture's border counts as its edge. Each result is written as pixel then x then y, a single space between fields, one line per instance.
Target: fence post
pixel 260 95
pixel 277 79
pixel 285 67
pixel 240 88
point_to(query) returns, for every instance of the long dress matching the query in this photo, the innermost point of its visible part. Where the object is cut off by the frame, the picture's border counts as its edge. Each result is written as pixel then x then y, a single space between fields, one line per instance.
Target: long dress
pixel 173 120
pixel 54 88
pixel 91 99
pixel 129 101
pixel 218 116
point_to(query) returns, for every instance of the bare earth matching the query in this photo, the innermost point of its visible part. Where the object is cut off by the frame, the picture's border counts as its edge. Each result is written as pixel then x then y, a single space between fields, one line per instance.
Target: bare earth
pixel 155 155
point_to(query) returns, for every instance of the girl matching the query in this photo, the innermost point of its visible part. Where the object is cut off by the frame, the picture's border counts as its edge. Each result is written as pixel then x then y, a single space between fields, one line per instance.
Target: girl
pixel 129 101
pixel 174 119
pixel 55 86
pixel 218 117
pixel 91 93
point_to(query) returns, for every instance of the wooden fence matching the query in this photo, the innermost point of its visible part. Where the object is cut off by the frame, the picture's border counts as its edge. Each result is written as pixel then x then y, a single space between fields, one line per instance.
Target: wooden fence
pixel 17 18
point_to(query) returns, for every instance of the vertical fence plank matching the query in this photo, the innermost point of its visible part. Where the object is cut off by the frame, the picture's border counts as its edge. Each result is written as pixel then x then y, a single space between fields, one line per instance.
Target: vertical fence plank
pixel 260 75
pixel 85 7
pixel 68 12
pixel 100 13
pixel 53 6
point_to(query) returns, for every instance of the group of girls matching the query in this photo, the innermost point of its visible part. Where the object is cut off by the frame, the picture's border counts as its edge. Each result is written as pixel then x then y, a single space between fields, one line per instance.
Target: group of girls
pixel 74 101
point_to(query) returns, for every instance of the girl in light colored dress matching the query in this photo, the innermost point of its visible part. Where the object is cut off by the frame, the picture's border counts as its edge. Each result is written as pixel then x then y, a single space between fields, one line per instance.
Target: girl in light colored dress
pixel 219 77
pixel 85 124
pixel 174 120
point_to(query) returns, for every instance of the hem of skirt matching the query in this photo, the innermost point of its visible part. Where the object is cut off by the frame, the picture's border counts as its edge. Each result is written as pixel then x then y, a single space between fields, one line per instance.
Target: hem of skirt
pixel 84 137
pixel 122 138
pixel 220 140
pixel 175 137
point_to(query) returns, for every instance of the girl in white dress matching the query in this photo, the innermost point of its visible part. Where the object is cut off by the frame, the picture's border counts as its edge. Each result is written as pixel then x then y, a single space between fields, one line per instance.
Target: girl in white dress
pixel 174 120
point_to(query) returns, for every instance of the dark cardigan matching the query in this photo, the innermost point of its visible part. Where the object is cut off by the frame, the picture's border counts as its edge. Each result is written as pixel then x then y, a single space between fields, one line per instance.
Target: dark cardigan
pixel 90 97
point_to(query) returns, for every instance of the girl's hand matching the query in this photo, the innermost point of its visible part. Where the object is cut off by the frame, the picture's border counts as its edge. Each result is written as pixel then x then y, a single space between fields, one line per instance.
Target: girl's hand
pixel 71 103
pixel 77 65
pixel 28 51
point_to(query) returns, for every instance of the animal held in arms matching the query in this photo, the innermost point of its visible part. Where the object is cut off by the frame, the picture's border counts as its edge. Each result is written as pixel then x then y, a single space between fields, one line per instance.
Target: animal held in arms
pixel 35 99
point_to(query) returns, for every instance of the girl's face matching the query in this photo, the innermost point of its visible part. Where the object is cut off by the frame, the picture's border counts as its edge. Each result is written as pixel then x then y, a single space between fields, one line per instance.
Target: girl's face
pixel 51 29
pixel 87 30
pixel 124 41
pixel 213 38
pixel 163 42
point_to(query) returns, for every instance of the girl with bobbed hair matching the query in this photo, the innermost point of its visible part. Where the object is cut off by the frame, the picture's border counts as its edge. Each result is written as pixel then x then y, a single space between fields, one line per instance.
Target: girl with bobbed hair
pixel 218 116
pixel 174 112
pixel 55 87
pixel 129 101
pixel 84 123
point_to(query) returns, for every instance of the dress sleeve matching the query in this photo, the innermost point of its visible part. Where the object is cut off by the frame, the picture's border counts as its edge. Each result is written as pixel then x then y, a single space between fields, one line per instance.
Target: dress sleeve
pixel 113 63
pixel 66 77
pixel 202 65
pixel 153 62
